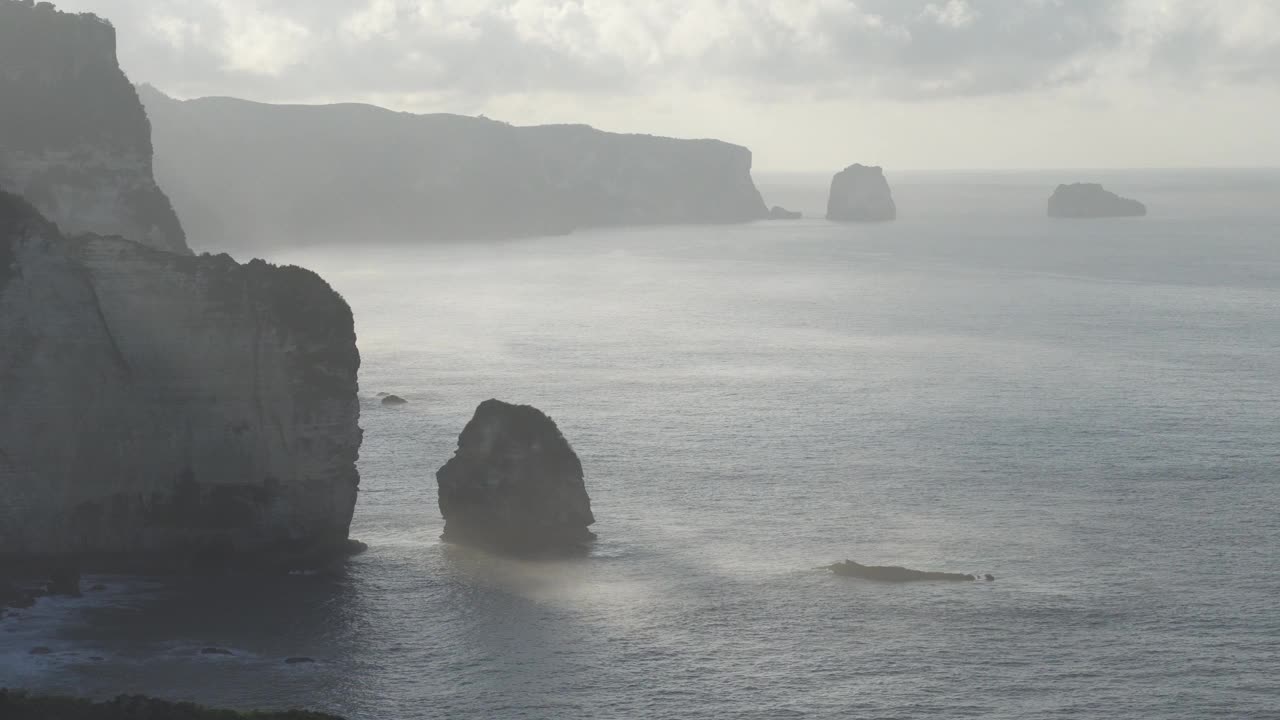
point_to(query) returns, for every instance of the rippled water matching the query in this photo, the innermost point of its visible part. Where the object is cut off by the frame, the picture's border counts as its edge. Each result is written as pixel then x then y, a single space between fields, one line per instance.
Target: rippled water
pixel 1088 410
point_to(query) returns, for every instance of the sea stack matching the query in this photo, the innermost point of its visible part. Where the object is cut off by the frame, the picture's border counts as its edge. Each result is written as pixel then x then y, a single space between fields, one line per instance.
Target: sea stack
pixel 515 485
pixel 860 194
pixel 1090 200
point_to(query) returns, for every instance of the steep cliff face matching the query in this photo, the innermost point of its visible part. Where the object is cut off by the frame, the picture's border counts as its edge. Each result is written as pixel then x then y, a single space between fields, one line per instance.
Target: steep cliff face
pixel 271 174
pixel 161 410
pixel 74 139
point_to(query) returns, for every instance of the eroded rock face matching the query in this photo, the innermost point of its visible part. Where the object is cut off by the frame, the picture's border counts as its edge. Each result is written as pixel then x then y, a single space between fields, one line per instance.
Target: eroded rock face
pixel 515 484
pixel 162 411
pixel 1091 200
pixel 860 194
pixel 74 139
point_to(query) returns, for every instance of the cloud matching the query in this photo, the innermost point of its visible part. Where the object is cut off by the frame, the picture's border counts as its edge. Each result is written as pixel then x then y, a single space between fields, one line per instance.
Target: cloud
pixel 955 13
pixel 258 42
pixel 902 49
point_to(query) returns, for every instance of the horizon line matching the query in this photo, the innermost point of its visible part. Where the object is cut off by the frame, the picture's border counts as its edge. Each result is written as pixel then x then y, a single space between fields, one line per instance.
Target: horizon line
pixel 1047 168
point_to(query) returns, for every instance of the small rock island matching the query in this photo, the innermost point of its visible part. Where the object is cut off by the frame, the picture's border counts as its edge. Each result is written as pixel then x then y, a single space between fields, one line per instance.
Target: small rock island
pixel 515 485
pixel 860 193
pixel 893 573
pixel 1091 200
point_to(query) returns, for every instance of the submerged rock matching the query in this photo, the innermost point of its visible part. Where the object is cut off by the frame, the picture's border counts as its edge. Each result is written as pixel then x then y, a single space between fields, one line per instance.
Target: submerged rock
pixel 215 651
pixel 515 484
pixel 298 660
pixel 860 193
pixel 1090 200
pixel 22 601
pixel 17 705
pixel 780 213
pixel 891 573
pixel 392 400
pixel 65 581
pixel 14 595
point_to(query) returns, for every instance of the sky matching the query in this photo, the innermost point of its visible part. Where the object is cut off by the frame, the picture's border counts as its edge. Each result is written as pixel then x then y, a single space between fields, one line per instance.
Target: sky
pixel 808 85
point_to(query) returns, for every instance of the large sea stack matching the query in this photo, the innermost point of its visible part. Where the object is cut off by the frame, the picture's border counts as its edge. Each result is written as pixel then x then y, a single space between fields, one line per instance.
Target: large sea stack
pixel 74 139
pixel 515 485
pixel 426 177
pixel 158 410
pixel 860 194
pixel 1090 200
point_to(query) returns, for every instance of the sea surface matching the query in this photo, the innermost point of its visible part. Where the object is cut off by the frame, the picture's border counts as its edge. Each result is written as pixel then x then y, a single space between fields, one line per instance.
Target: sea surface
pixel 1088 410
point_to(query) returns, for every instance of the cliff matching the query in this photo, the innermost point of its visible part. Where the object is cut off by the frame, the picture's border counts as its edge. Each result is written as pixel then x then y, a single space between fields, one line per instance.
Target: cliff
pixel 309 174
pixel 1090 200
pixel 163 411
pixel 860 193
pixel 74 139
pixel 515 485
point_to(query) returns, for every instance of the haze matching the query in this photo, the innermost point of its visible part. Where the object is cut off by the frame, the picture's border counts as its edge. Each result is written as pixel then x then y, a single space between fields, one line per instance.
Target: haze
pixel 804 83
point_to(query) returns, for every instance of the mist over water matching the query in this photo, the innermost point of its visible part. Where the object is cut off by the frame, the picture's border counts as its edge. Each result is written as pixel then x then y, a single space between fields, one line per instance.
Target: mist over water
pixel 1085 409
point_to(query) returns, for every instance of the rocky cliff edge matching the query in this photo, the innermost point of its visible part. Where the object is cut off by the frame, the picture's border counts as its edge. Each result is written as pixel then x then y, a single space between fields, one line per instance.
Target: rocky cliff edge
pixel 161 411
pixel 74 138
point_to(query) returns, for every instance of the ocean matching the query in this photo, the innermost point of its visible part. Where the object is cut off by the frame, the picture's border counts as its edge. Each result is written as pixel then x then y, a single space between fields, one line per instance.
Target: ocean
pixel 1086 409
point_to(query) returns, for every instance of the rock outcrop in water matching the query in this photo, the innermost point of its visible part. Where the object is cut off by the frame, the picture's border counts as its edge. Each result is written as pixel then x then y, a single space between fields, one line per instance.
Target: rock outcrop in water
pixel 1090 200
pixel 160 410
pixel 21 706
pixel 341 171
pixel 780 213
pixel 892 573
pixel 74 139
pixel 860 194
pixel 515 485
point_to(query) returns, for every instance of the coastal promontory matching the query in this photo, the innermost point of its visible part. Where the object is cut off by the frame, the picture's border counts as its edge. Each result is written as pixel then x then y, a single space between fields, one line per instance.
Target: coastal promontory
pixel 515 485
pixel 860 193
pixel 74 138
pixel 159 411
pixel 435 177
pixel 1091 200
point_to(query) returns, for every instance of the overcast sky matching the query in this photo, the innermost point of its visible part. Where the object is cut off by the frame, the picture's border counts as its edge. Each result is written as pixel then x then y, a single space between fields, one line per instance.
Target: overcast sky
pixel 806 84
